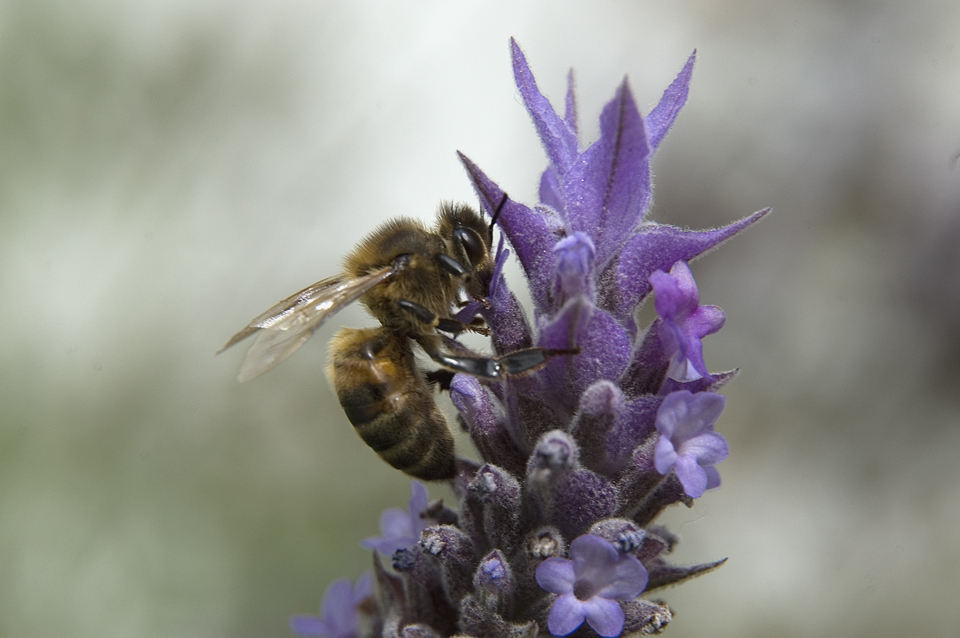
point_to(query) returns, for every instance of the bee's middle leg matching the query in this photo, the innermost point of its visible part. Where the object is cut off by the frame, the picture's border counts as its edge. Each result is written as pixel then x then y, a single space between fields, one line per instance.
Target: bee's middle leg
pixel 494 368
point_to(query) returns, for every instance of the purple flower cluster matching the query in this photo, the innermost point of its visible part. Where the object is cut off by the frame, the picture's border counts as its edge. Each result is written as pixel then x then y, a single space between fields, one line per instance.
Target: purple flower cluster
pixel 341 610
pixel 554 531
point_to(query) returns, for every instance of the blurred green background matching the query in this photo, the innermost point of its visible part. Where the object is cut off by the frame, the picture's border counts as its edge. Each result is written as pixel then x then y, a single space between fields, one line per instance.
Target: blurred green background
pixel 170 169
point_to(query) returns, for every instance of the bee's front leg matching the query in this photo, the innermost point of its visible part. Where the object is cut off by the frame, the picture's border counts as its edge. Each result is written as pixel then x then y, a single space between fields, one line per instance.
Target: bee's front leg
pixel 450 325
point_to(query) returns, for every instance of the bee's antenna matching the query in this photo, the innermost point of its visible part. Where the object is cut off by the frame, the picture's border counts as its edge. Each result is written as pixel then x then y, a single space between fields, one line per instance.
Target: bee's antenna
pixel 496 214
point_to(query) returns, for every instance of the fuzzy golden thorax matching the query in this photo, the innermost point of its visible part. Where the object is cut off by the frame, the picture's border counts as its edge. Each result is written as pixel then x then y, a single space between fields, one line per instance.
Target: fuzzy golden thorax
pixel 460 234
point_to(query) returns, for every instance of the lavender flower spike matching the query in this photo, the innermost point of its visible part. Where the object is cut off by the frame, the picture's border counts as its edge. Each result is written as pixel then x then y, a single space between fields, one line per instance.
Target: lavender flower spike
pixel 687 441
pixel 341 616
pixel 574 460
pixel 685 322
pixel 401 529
pixel 589 586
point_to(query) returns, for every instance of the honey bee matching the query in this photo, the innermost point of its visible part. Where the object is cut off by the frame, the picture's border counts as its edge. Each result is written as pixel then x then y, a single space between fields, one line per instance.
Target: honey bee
pixel 410 278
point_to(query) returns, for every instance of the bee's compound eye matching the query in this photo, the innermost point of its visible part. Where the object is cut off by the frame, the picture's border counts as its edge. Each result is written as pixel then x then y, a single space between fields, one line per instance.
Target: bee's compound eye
pixel 472 245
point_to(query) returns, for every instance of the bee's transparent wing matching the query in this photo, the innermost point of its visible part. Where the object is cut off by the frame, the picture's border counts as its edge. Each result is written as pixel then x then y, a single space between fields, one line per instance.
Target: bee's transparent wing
pixel 272 314
pixel 288 324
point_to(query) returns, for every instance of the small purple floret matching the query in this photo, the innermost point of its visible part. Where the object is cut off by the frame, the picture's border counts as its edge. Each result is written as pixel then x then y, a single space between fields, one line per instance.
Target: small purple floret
pixel 589 586
pixel 401 529
pixel 575 255
pixel 685 321
pixel 687 441
pixel 340 614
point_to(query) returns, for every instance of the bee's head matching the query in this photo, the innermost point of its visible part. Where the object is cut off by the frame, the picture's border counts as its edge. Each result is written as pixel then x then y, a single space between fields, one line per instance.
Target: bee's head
pixel 466 234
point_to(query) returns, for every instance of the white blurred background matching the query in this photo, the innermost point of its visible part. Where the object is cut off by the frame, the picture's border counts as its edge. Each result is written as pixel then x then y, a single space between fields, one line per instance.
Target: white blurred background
pixel 169 169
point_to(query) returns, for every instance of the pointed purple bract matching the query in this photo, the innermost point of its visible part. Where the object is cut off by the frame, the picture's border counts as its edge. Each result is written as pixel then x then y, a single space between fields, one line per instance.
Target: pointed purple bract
pixel 608 187
pixel 570 110
pixel 532 234
pixel 661 118
pixel 558 139
pixel 657 247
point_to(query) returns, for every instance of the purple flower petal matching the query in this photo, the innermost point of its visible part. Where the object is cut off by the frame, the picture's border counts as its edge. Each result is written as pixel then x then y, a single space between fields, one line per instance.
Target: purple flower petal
pixel 628 578
pixel 363 589
pixel 559 141
pixel 661 118
pixel 311 626
pixel 401 529
pixel 705 320
pixel 665 455
pixel 713 477
pixel 339 609
pixel 657 247
pixel 610 574
pixel 685 323
pixel 566 615
pixel 687 362
pixel 550 194
pixel 692 413
pixel 556 576
pixel 419 499
pixel 575 255
pixel 604 616
pixel 677 294
pixel 589 585
pixel 691 475
pixel 341 617
pixel 709 448
pixel 607 188
pixel 592 558
pixel 687 441
pixel 395 523
pixel 397 532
